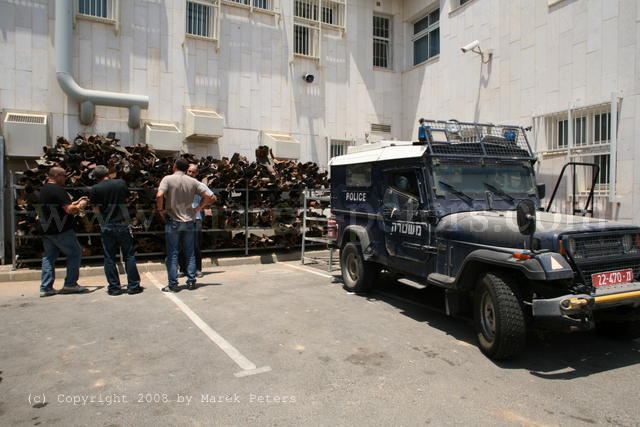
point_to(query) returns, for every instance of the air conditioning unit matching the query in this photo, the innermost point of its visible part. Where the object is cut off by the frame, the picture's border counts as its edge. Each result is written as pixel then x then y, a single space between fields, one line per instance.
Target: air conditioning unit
pixel 283 146
pixel 25 133
pixel 163 136
pixel 201 123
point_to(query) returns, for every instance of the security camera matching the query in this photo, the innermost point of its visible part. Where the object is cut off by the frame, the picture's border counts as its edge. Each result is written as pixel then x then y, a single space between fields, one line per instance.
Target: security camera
pixel 474 44
pixel 308 78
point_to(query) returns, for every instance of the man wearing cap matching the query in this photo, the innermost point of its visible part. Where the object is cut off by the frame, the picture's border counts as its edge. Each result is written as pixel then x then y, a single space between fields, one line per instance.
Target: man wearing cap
pixel 174 204
pixel 55 211
pixel 109 200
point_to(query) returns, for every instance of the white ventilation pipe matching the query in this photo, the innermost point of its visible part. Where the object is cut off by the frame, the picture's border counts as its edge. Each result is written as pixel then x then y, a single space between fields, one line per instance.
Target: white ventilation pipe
pixel 88 98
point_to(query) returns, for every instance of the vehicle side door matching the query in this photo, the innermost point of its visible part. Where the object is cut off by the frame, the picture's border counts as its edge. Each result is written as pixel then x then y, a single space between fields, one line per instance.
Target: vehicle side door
pixel 407 233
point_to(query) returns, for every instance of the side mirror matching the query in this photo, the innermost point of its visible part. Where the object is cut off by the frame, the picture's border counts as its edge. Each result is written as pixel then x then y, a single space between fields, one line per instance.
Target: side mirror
pixel 542 190
pixel 526 215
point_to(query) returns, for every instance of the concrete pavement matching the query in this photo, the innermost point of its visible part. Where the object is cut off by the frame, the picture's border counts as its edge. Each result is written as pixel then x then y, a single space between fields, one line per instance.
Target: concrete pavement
pixel 334 359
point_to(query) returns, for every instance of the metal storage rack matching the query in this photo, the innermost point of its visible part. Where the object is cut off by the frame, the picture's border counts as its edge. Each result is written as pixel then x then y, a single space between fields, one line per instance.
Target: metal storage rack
pixel 242 207
pixel 321 196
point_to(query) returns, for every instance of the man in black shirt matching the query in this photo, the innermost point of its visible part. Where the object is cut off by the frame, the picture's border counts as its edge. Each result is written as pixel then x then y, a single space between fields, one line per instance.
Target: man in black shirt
pixel 109 200
pixel 56 210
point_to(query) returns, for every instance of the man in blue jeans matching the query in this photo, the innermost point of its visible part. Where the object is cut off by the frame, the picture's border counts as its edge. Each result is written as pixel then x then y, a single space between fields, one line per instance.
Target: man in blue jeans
pixel 174 204
pixel 55 211
pixel 182 261
pixel 109 200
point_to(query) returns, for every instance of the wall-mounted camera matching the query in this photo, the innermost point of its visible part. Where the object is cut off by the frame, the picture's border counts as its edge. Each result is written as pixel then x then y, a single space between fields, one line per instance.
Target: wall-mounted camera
pixel 309 78
pixel 466 48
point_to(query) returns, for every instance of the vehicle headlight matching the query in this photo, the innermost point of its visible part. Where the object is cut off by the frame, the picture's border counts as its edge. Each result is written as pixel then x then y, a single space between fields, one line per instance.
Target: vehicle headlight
pixel 453 128
pixel 627 242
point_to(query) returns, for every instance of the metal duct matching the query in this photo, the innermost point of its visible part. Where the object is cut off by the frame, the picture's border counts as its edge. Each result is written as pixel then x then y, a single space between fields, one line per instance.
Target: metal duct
pixel 88 98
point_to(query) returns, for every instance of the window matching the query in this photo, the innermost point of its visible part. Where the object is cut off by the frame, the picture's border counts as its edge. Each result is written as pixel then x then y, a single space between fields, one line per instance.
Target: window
pixel 359 175
pixel 339 147
pixel 201 19
pixel 585 134
pixel 426 37
pixel 258 4
pixel 601 128
pixel 309 16
pixel 584 174
pixel 305 40
pixel 332 12
pixel 104 9
pixel 591 127
pixel 580 131
pixel 381 42
pixel 400 200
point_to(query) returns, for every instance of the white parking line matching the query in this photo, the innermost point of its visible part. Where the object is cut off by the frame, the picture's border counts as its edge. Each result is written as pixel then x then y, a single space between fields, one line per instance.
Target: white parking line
pixel 307 270
pixel 248 368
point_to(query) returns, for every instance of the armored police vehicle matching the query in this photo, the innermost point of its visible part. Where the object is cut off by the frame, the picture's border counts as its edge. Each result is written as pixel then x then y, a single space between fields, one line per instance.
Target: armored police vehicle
pixel 461 210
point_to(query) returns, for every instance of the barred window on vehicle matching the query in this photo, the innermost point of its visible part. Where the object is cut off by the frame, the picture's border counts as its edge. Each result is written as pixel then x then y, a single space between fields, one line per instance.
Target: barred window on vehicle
pixel 201 19
pixel 381 41
pixel 103 9
pixel 426 37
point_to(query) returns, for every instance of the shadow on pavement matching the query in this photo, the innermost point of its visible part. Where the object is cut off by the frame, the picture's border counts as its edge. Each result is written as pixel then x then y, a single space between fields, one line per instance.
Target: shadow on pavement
pixel 549 355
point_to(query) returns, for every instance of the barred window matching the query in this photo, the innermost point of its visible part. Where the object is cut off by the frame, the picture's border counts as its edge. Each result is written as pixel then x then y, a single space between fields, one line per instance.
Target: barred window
pixel 426 37
pixel 97 8
pixel 309 17
pixel 200 19
pixel 591 127
pixel 339 147
pixel 305 40
pixel 381 42
pixel 258 4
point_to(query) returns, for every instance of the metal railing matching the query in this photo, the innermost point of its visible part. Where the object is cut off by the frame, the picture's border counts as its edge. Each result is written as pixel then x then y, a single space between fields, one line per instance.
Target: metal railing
pixel 219 235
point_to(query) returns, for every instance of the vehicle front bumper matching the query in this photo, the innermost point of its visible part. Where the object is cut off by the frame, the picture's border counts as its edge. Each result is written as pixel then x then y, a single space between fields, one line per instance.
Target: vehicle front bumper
pixel 575 310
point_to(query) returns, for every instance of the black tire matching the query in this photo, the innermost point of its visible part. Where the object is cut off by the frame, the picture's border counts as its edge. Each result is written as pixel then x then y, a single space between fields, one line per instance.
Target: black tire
pixel 622 323
pixel 358 275
pixel 499 318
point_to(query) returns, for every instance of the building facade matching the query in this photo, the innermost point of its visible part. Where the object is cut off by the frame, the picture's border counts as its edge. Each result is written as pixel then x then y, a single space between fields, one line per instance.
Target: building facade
pixel 311 77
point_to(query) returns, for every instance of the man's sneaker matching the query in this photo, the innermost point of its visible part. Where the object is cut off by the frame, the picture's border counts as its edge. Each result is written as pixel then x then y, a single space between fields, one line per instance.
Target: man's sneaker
pixel 136 290
pixel 191 286
pixel 114 292
pixel 199 274
pixel 48 293
pixel 72 289
pixel 171 289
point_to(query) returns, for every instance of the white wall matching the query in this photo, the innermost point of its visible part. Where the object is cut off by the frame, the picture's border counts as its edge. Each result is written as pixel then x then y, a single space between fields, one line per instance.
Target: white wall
pixel 545 59
pixel 251 78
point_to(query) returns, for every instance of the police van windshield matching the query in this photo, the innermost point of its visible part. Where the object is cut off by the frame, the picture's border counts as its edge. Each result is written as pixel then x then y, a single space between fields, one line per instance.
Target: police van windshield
pixel 469 178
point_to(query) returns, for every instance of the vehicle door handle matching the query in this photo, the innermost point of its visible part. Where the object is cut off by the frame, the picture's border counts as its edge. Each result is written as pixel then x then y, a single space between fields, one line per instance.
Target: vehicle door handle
pixel 422 248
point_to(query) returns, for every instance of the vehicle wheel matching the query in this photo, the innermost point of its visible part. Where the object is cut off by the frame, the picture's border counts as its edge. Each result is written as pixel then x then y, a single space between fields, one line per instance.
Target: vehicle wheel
pixel 357 274
pixel 621 324
pixel 499 318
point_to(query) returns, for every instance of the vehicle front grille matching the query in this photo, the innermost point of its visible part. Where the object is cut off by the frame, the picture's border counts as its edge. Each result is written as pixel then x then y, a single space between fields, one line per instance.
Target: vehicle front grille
pixel 603 252
pixel 593 247
pixel 588 269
